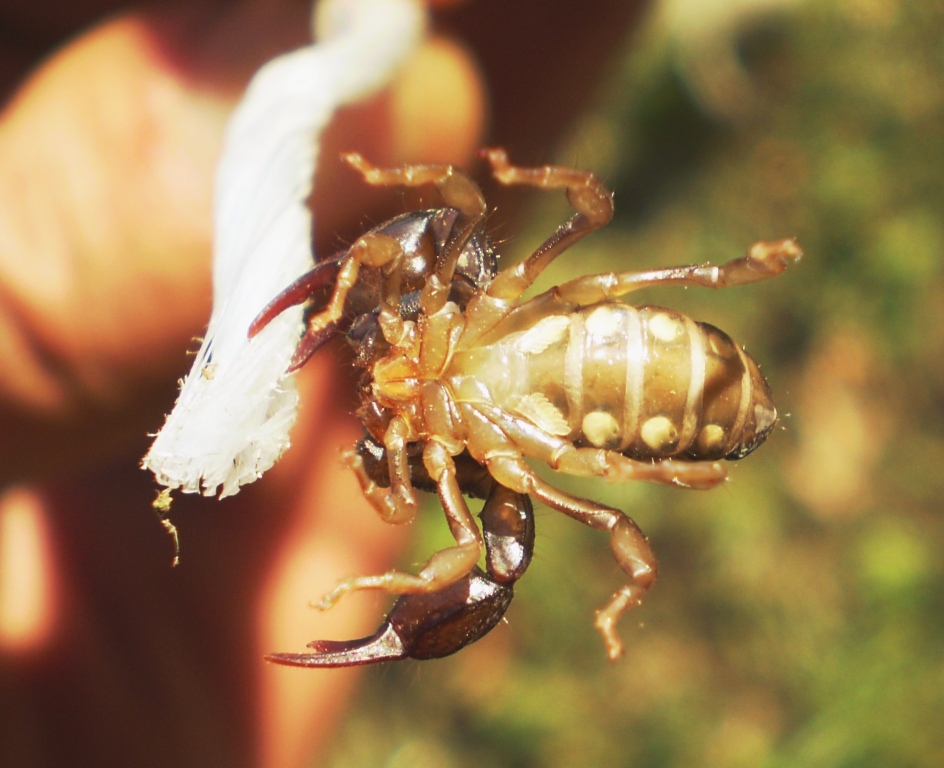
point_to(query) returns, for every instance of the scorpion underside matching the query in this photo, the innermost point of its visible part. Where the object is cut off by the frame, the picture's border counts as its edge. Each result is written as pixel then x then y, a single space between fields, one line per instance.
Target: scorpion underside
pixel 463 380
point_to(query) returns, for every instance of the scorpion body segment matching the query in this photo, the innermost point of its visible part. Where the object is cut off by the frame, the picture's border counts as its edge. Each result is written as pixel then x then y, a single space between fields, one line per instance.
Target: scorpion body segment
pixel 464 381
pixel 646 382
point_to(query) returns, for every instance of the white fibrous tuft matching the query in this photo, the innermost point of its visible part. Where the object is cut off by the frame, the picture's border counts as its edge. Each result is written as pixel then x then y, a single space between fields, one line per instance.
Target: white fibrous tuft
pixel 232 419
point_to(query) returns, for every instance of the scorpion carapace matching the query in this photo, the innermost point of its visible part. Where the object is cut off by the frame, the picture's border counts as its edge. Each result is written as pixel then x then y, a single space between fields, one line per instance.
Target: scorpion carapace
pixel 463 380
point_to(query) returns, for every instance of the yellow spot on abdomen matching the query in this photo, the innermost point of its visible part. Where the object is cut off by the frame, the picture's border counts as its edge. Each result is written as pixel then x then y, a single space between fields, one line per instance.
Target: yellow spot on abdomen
pixel 601 429
pixel 664 327
pixel 604 321
pixel 659 433
pixel 711 438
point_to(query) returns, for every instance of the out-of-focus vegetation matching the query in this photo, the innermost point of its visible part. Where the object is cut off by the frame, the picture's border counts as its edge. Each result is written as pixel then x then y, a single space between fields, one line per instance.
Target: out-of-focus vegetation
pixel 799 615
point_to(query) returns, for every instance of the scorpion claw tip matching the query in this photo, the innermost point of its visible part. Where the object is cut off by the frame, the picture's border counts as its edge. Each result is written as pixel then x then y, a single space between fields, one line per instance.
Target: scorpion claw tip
pixel 384 645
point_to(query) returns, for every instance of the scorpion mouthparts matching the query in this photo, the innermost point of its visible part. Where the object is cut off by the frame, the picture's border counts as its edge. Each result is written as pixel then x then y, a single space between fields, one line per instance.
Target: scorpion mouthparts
pixel 257 325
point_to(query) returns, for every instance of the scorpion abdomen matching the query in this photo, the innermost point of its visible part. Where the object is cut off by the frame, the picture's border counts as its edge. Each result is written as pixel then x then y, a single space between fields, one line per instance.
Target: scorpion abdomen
pixel 648 382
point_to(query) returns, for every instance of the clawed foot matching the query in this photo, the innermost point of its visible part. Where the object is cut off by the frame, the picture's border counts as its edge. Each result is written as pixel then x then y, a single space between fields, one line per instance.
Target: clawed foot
pixel 330 599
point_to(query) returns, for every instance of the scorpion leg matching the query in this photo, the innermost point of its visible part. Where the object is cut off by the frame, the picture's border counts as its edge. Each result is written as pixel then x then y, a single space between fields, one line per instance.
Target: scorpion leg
pixel 763 261
pixel 443 568
pixel 396 501
pixel 436 624
pixel 507 520
pixel 591 200
pixel 629 544
pixel 615 467
pixel 458 191
pixel 492 319
pixel 594 205
pixel 498 432
pixel 374 250
pixel 494 446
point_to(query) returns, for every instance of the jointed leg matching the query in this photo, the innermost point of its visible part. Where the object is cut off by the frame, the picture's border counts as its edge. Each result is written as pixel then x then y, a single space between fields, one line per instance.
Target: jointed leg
pixel 373 250
pixel 763 261
pixel 629 545
pixel 615 467
pixel 444 567
pixel 457 190
pixel 592 201
pixel 634 555
pixel 397 503
pixel 515 434
pixel 492 318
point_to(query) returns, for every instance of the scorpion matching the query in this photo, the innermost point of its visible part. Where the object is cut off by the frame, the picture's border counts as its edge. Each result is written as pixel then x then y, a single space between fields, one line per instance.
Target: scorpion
pixel 462 381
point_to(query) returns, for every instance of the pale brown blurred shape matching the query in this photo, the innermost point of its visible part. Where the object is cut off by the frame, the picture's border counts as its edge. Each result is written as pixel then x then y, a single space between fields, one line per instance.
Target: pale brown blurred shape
pixel 845 424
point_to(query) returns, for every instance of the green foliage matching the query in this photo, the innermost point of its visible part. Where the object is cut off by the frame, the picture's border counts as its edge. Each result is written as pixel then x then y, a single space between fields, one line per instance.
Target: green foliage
pixel 798 617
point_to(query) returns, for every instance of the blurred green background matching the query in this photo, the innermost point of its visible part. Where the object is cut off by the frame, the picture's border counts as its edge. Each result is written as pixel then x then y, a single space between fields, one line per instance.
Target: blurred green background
pixel 798 616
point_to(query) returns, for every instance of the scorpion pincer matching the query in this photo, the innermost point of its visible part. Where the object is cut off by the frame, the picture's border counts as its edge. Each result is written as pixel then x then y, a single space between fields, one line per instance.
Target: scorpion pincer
pixel 463 380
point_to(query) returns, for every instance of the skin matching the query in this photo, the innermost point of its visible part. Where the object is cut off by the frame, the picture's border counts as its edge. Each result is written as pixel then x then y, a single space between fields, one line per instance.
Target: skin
pixel 108 141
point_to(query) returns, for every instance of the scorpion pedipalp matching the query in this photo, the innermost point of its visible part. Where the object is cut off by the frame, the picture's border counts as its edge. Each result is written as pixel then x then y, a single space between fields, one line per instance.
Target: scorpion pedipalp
pixel 430 625
pixel 420 626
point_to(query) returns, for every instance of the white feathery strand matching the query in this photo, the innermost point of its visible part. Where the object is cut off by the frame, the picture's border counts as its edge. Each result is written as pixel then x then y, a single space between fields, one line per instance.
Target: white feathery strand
pixel 232 418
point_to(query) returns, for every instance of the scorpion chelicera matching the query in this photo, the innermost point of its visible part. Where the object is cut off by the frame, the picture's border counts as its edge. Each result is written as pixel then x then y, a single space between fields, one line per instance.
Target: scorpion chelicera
pixel 462 381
